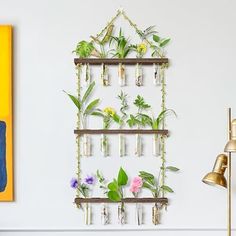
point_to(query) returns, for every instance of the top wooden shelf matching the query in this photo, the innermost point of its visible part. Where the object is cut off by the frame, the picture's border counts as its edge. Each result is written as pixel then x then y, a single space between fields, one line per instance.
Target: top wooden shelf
pixel 125 61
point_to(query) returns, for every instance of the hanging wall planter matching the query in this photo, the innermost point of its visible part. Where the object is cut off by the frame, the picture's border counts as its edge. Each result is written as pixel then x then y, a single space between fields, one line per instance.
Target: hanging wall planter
pixel 107 49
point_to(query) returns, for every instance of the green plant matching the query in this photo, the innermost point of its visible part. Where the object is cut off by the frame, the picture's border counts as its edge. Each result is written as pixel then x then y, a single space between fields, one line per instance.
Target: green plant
pixel 116 192
pixel 139 119
pixel 124 106
pixel 140 49
pixel 85 107
pixel 108 114
pixel 153 184
pixel 122 47
pixel 102 182
pixel 158 46
pixel 84 49
pixel 155 123
pixel 146 33
pixel 102 43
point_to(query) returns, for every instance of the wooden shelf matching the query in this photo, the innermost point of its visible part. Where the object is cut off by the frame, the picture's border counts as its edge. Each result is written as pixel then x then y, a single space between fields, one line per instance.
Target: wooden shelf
pixel 126 61
pixel 125 200
pixel 120 131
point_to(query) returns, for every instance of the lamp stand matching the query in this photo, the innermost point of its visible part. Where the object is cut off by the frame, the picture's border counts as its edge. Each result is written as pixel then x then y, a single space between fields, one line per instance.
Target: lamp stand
pixel 229 177
pixel 229 194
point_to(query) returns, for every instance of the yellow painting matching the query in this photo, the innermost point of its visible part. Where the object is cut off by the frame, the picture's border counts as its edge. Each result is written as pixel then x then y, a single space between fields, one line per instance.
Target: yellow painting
pixel 6 132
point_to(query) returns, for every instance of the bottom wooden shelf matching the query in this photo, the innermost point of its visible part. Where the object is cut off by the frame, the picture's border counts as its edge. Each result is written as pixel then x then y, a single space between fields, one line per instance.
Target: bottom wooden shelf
pixel 126 200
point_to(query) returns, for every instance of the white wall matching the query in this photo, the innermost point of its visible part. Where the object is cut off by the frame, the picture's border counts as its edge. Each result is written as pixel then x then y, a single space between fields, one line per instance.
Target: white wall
pixel 201 86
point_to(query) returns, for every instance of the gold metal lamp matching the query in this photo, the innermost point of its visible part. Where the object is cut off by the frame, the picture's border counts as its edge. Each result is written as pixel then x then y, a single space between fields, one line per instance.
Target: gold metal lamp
pixel 216 177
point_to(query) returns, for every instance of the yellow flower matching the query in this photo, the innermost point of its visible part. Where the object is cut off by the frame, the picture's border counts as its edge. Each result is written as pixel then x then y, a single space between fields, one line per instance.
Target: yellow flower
pixel 110 111
pixel 142 48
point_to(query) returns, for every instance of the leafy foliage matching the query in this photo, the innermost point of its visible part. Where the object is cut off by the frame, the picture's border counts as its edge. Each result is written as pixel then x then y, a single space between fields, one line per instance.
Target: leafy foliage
pixel 123 107
pixel 115 187
pixel 139 119
pixel 122 47
pixel 84 49
pixel 153 184
pixel 146 33
pixel 158 45
pixel 102 182
pixel 84 190
pixel 103 53
pixel 156 122
pixel 85 107
pixel 108 117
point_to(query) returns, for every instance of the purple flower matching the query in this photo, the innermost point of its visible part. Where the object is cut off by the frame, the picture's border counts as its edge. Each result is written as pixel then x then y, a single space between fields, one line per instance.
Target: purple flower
pixel 74 183
pixel 89 179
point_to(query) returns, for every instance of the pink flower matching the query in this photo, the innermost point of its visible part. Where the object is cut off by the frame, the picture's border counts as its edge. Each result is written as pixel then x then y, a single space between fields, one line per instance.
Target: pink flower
pixel 136 184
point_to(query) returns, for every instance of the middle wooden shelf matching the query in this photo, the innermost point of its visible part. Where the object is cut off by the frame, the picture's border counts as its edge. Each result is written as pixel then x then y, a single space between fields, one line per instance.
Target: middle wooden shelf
pixel 121 131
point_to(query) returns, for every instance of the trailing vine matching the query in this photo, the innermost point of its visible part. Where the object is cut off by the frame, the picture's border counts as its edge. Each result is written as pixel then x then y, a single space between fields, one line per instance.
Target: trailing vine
pixel 163 108
pixel 78 127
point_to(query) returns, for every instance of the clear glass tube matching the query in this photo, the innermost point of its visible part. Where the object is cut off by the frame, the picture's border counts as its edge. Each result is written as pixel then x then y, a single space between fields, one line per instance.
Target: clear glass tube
pixel 104 214
pixel 138 145
pixel 86 75
pixel 156 145
pixel 121 214
pixel 121 74
pixel 105 75
pixel 139 75
pixel 157 76
pixel 88 214
pixel 104 145
pixel 87 145
pixel 139 213
pixel 122 145
pixel 155 215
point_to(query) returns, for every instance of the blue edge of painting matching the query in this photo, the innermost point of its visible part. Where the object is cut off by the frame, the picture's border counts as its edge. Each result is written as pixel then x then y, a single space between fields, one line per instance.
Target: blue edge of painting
pixel 3 171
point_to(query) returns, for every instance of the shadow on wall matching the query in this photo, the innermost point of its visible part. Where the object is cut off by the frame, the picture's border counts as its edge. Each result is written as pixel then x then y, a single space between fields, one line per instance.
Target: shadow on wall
pixel 3 171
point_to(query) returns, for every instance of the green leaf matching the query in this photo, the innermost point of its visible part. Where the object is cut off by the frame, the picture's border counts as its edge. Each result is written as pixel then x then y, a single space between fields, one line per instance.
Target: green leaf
pixel 164 42
pixel 147 177
pixel 156 38
pixel 97 112
pixel 122 177
pixel 167 189
pixel 116 118
pixel 113 186
pixel 91 106
pixel 74 100
pixel 144 174
pixel 114 196
pixel 172 168
pixel 148 186
pixel 162 116
pixel 88 92
pixel 84 49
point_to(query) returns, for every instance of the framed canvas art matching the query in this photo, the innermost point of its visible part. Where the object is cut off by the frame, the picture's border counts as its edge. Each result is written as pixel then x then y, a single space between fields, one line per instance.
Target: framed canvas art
pixel 6 138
